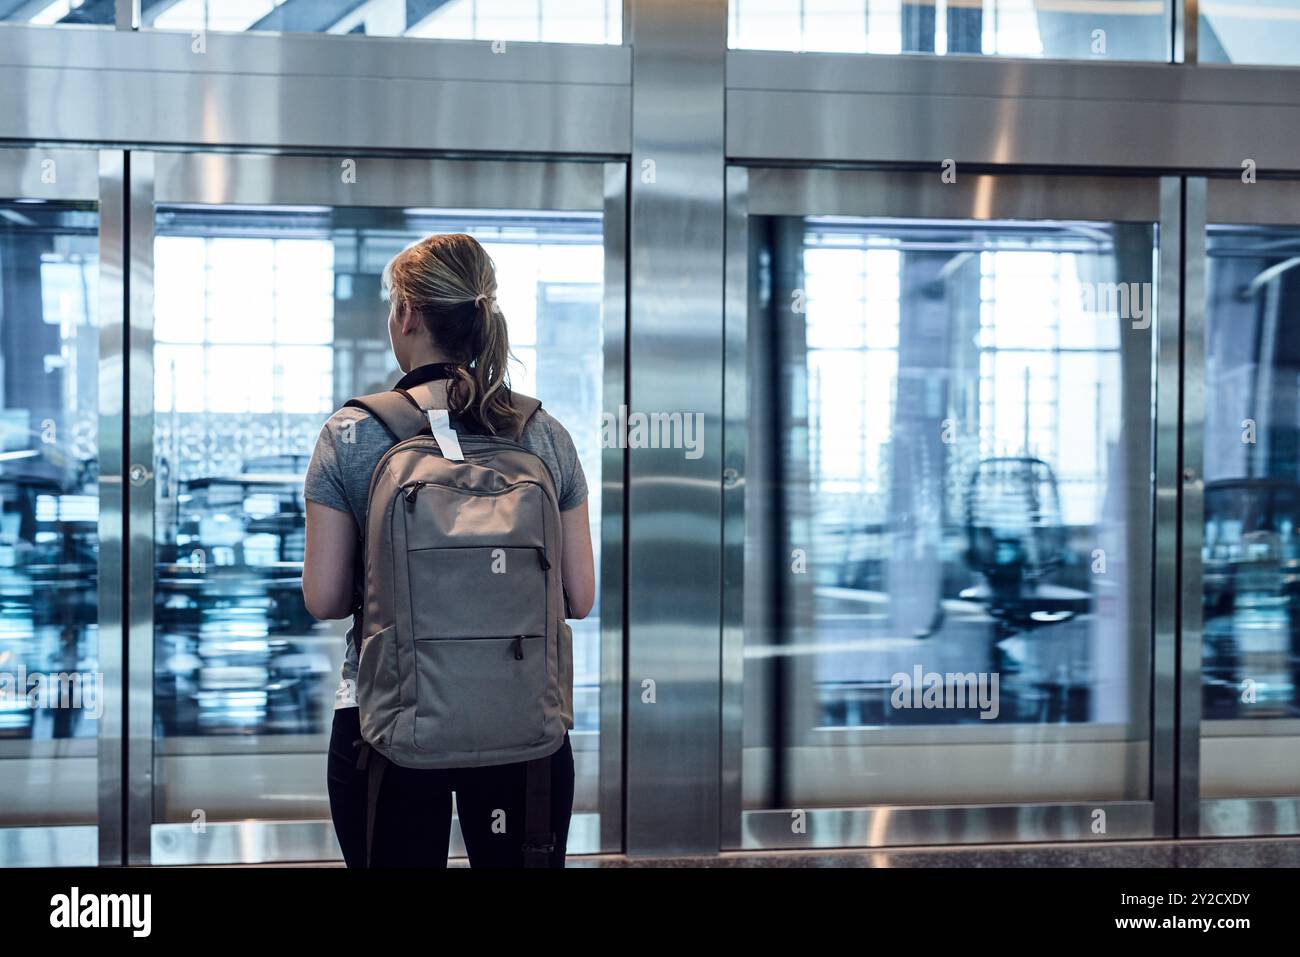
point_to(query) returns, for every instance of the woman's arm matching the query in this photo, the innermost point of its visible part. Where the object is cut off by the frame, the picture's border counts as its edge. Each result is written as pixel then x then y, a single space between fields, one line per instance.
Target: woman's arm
pixel 577 566
pixel 327 562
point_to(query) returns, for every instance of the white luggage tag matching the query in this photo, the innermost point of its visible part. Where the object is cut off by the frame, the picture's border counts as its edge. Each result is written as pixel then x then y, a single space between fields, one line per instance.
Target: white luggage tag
pixel 440 425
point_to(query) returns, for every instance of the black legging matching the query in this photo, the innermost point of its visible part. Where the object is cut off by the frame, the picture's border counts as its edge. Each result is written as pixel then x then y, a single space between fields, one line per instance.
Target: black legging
pixel 413 820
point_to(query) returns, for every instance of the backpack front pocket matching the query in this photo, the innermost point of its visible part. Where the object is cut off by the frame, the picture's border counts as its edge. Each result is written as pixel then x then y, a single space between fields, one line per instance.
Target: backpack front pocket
pixel 480 694
pixel 477 592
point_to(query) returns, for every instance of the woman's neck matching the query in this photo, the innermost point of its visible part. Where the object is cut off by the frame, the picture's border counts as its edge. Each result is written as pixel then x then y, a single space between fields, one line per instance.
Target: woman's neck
pixel 423 355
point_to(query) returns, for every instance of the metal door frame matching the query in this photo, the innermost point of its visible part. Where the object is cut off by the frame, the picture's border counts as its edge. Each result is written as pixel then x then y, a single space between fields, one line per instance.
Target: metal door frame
pixel 281 179
pixel 910 194
pixel 1227 201
pixel 93 176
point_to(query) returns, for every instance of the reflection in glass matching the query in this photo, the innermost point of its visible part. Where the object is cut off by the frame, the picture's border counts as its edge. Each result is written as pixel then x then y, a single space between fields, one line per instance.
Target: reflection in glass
pixel 549 21
pixel 59 13
pixel 1089 29
pixel 961 504
pixel 50 686
pixel 1265 32
pixel 1250 667
pixel 268 320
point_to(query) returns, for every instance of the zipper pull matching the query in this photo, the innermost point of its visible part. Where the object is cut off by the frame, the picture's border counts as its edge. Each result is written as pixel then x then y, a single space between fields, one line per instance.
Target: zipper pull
pixel 541 557
pixel 412 492
pixel 519 648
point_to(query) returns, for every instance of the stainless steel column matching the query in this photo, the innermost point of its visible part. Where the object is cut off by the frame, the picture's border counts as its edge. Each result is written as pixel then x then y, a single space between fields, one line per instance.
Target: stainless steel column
pixel 674 361
pixel 111 572
pixel 612 462
pixel 1192 514
pixel 1168 323
pixel 139 495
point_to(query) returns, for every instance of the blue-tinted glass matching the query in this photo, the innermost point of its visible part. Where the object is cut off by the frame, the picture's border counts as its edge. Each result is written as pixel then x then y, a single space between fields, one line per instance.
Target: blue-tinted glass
pixel 59 13
pixel 1250 669
pixel 266 322
pixel 51 688
pixel 1250 31
pixel 958 513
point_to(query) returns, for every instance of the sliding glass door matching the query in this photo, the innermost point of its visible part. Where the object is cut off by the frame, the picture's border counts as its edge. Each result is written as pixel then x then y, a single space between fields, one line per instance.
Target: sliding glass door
pixel 267 316
pixel 940 586
pixel 58 532
pixel 1247 514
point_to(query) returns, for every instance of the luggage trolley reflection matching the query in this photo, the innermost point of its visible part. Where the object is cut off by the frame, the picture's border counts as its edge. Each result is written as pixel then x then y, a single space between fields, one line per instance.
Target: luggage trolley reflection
pixel 235 645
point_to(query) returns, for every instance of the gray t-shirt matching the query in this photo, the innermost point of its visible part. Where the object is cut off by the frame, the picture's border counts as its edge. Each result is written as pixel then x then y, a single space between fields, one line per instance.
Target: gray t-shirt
pixel 350 446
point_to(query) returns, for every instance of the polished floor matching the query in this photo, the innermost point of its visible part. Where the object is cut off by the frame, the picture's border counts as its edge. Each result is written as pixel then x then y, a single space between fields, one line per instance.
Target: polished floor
pixel 1271 852
pixel 1264 852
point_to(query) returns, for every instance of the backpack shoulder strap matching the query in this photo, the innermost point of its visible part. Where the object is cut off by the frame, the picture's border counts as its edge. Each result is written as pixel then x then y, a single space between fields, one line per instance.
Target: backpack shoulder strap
pixel 399 413
pixel 395 410
pixel 525 405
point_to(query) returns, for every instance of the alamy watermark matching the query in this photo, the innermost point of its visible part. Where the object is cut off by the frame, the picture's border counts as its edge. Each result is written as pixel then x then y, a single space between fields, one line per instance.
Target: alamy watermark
pixel 76 690
pixel 653 430
pixel 1131 301
pixel 952 690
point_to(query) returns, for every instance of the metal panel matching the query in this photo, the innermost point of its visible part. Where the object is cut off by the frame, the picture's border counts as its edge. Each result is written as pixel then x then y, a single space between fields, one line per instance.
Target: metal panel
pixel 1168 481
pixel 986 77
pixel 139 507
pixel 675 356
pixel 829 192
pixel 49 174
pixel 1247 817
pixel 49 846
pixel 735 481
pixel 312 92
pixel 259 179
pixel 852 108
pixel 612 549
pixel 1262 203
pixel 263 842
pixel 1192 507
pixel 112 549
pixel 896 826
pixel 308 54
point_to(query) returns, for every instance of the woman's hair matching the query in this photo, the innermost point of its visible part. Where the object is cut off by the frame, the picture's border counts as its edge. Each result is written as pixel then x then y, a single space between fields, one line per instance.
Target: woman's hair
pixel 450 283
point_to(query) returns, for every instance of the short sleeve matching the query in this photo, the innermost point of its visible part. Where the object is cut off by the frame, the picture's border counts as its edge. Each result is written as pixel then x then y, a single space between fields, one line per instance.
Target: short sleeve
pixel 324 483
pixel 573 483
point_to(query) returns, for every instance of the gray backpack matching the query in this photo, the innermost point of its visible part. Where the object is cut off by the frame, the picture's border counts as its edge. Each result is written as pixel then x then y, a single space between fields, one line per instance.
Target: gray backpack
pixel 465 657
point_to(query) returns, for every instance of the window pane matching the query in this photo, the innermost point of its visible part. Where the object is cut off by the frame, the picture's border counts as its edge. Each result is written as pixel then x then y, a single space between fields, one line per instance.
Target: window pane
pixel 268 320
pixel 553 21
pixel 1250 668
pixel 59 13
pixel 957 495
pixel 1250 31
pixel 51 684
pixel 1089 29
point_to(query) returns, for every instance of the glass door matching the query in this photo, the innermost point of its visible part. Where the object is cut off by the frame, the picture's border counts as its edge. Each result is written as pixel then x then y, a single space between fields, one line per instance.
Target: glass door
pixel 267 316
pixel 1248 526
pixel 940 559
pixel 59 544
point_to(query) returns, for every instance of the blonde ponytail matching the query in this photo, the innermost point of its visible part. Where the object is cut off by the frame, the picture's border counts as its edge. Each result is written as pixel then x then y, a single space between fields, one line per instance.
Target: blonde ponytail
pixel 449 281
